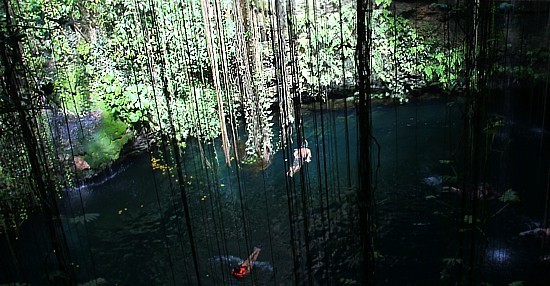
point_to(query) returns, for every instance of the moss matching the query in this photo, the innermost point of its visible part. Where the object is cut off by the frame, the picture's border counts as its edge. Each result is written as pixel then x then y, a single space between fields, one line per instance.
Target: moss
pixel 105 144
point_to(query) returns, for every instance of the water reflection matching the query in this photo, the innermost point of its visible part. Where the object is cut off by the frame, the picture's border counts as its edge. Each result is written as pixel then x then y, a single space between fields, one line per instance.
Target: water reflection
pixel 498 255
pixel 139 229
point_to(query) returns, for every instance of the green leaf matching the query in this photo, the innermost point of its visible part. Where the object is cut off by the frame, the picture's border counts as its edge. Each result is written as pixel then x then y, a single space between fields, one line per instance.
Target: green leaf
pixel 449 262
pixel 509 196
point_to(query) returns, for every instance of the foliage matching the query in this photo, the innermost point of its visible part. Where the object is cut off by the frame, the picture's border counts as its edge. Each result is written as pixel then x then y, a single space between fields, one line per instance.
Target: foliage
pixel 403 59
pixel 145 63
pixel 326 45
pixel 451 261
pixel 395 47
pixel 25 131
pixel 510 196
pixel 494 123
pixel 105 145
pixel 196 109
pixel 468 219
pixel 99 55
pixel 442 66
pixel 528 66
pixel 147 68
pixel 449 264
pixel 15 201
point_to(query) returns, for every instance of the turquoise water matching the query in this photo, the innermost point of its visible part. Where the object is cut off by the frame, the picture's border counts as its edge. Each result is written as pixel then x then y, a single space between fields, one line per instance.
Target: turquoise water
pixel 134 231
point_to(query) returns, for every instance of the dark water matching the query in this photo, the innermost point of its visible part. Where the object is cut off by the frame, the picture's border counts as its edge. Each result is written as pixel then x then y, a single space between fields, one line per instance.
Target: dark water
pixel 140 236
pixel 135 233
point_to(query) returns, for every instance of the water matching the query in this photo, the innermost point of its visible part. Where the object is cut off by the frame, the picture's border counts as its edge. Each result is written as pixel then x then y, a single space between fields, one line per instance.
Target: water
pixel 134 230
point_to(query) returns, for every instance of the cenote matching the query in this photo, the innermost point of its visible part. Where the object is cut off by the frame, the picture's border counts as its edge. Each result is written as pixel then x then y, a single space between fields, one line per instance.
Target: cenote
pixel 128 227
pixel 274 142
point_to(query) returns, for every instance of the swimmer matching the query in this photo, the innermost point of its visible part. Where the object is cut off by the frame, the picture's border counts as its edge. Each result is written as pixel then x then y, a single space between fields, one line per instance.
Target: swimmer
pixel 537 231
pixel 244 268
pixel 484 191
pixel 301 155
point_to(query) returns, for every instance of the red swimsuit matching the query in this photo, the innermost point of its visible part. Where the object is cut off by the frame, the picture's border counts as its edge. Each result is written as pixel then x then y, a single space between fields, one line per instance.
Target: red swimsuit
pixel 240 271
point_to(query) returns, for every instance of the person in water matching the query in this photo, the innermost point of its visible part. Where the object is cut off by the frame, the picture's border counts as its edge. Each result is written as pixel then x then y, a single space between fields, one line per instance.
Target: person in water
pixel 301 155
pixel 484 191
pixel 244 268
pixel 537 231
